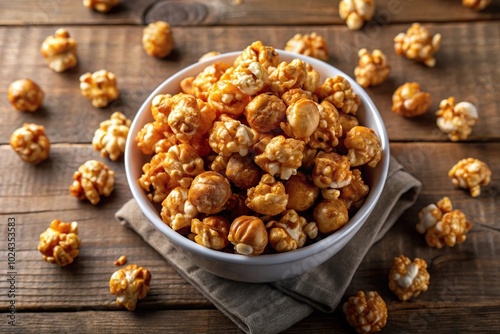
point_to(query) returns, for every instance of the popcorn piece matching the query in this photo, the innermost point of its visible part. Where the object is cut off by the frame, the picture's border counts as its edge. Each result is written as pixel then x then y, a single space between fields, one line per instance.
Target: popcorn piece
pixel 130 284
pixel 372 69
pixel 290 232
pixel 313 79
pixel 281 157
pixel 226 98
pixel 312 45
pixel 409 101
pixel 302 193
pixel 476 4
pixel 432 214
pixel 25 95
pixel 218 163
pixel 366 312
pixel 338 91
pixel 417 44
pixel 60 243
pixel 330 215
pixel 155 180
pixel 348 122
pixel 354 193
pixel 331 170
pixel 157 39
pixel 266 55
pixel 329 130
pixel 209 192
pixel 200 85
pixel 30 143
pixel 151 139
pixel 229 136
pixel 121 260
pixel 288 76
pixel 456 120
pixel 250 77
pixel 60 51
pixel 268 197
pixel 408 279
pixel 265 112
pixel 293 95
pixel 111 136
pixel 248 235
pixel 100 87
pixel 302 119
pixel 92 180
pixel 243 172
pixel 470 174
pixel 177 212
pixel 236 207
pixel 364 146
pixel 356 12
pixel 182 163
pixel 209 55
pixel 212 232
pixel 102 6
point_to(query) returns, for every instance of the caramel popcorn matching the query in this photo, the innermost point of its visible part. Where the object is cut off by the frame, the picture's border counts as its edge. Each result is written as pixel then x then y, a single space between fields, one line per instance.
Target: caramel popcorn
pixel 302 193
pixel 364 147
pixel 121 260
pixel 372 69
pixel 312 45
pixel 281 157
pixel 313 80
pixel 230 136
pixel 100 87
pixel 248 234
pixel 330 215
pixel 60 51
pixel 151 139
pixel 265 112
pixel 354 193
pixel 288 76
pixel 337 90
pixel 366 312
pixel 329 130
pixel 302 119
pixel 356 12
pixel 102 6
pixel 92 181
pixel 177 212
pixel 293 95
pixel 30 143
pixel 269 197
pixel 60 243
pixel 476 4
pixel 200 85
pixel 408 279
pixel 456 120
pixel 243 172
pixel 331 170
pixel 130 284
pixel 410 101
pixel 157 39
pixel 25 95
pixel 418 44
pixel 266 55
pixel 226 98
pixel 155 180
pixel 470 174
pixel 111 136
pixel 209 192
pixel 290 232
pixel 183 163
pixel 250 77
pixel 211 232
pixel 347 122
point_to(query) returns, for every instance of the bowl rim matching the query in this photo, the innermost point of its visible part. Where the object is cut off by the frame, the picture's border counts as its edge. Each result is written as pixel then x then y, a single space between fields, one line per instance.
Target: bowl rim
pixel 355 222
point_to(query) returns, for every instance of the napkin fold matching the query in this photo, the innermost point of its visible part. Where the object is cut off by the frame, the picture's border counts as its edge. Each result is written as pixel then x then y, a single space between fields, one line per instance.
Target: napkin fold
pixel 273 307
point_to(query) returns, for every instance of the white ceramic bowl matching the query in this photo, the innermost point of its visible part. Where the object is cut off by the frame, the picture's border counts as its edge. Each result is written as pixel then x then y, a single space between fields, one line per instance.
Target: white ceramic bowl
pixel 271 267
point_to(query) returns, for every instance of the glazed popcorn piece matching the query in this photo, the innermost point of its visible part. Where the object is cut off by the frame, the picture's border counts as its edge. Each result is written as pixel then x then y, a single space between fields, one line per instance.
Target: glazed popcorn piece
pixel 266 55
pixel 312 45
pixel 226 98
pixel 155 180
pixel 211 232
pixel 25 95
pixel 329 129
pixel 100 87
pixel 102 6
pixel 288 76
pixel 30 143
pixel 130 284
pixel 209 192
pixel 364 147
pixel 111 136
pixel 121 260
pixel 60 243
pixel 302 193
pixel 282 156
pixel 157 39
pixel 330 215
pixel 177 212
pixel 366 312
pixel 354 193
pixel 408 279
pixel 372 69
pixel 410 101
pixel 183 163
pixel 248 234
pixel 331 170
pixel 470 174
pixel 302 119
pixel 269 197
pixel 60 51
pixel 337 90
pixel 265 112
pixel 200 85
pixel 92 181
pixel 151 139
pixel 456 120
pixel 356 12
pixel 250 77
pixel 476 4
pixel 242 171
pixel 347 122
pixel 229 136
pixel 432 214
pixel 290 232
pixel 418 44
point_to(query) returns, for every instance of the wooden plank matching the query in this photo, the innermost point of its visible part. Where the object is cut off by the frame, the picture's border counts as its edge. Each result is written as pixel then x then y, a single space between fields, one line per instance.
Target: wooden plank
pixel 233 12
pixel 69 117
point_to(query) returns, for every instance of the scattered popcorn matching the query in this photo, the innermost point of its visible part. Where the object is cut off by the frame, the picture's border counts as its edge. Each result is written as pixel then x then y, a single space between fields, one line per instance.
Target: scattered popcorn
pixel 312 45
pixel 266 55
pixel 470 174
pixel 456 120
pixel 364 147
pixel 92 181
pixel 290 232
pixel 130 284
pixel 417 44
pixel 366 312
pixel 372 69
pixel 157 39
pixel 100 87
pixel 60 243
pixel 30 143
pixel 60 51
pixel 356 12
pixel 25 95
pixel 102 6
pixel 409 101
pixel 248 234
pixel 476 4
pixel 121 260
pixel 408 279
pixel 111 136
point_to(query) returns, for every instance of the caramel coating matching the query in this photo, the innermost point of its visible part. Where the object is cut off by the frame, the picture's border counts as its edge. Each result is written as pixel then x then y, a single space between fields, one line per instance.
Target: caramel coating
pixel 60 51
pixel 151 139
pixel 288 76
pixel 293 95
pixel 130 284
pixel 250 77
pixel 268 197
pixel 248 234
pixel 100 87
pixel 92 180
pixel 366 312
pixel 155 180
pixel 470 174
pixel 209 192
pixel 227 98
pixel 356 12
pixel 281 157
pixel 290 232
pixel 60 243
pixel 331 170
pixel 364 146
pixel 265 112
pixel 372 69
pixel 408 279
pixel 312 45
pixel 302 119
pixel 177 212
pixel 456 120
pixel 265 55
pixel 302 193
pixel 200 85
pixel 229 136
pixel 157 39
pixel 30 143
pixel 243 172
pixel 111 136
pixel 330 215
pixel 418 44
pixel 409 101
pixel 183 163
pixel 25 95
pixel 338 91
pixel 211 232
pixel 329 129
pixel 353 195
pixel 102 6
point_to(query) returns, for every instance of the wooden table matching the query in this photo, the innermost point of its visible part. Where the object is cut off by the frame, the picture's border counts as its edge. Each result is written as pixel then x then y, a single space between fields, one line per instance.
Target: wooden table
pixel 464 294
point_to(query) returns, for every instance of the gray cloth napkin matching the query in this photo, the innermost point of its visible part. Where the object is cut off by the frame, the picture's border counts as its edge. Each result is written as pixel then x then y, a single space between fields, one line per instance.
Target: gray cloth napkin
pixel 273 307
